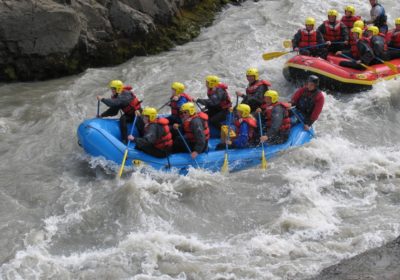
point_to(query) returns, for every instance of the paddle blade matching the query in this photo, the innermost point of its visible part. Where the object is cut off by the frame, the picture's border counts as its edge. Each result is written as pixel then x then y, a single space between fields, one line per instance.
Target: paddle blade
pixel 391 66
pixel 369 68
pixel 263 161
pixel 123 164
pixel 272 55
pixel 287 43
pixel 224 168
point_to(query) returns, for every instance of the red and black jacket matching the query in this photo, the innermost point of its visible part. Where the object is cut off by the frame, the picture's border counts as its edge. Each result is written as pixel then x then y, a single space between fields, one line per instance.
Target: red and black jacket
pixel 165 141
pixel 188 131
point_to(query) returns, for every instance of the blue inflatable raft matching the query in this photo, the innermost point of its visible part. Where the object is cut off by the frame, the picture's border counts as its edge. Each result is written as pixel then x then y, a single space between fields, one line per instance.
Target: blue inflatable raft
pixel 101 137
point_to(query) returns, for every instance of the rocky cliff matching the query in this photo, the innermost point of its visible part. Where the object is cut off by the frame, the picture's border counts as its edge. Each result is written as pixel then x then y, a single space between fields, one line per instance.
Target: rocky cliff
pixel 42 39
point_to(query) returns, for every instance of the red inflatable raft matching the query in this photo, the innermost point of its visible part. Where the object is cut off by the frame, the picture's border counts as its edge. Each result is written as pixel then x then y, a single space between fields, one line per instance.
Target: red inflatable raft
pixel 335 77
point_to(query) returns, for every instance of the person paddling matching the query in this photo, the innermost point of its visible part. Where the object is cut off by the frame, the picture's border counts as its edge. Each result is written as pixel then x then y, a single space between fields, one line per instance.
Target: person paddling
pixel 218 102
pixel 393 39
pixel 255 89
pixel 378 16
pixel 195 131
pixel 276 119
pixel 378 44
pixel 349 17
pixel 305 41
pixel 157 138
pixel 122 98
pixel 309 101
pixel 334 32
pixel 360 51
pixel 245 128
pixel 178 98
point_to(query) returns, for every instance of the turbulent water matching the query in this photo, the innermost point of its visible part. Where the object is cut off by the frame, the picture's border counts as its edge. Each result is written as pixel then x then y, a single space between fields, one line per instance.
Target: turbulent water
pixel 63 216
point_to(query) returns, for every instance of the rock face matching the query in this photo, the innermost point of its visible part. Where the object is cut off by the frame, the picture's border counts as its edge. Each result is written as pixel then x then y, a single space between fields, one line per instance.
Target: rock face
pixel 42 39
pixel 381 263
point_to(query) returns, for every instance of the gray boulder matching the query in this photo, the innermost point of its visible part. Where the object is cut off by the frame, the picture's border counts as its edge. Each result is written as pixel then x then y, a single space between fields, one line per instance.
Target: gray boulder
pixel 41 39
pixel 381 263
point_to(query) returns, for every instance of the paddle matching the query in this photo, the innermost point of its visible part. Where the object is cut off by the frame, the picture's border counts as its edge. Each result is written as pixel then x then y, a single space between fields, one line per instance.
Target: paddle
pixel 198 106
pixel 187 147
pixel 126 150
pixel 301 120
pixel 224 168
pixel 362 64
pixel 98 109
pixel 167 103
pixel 272 55
pixel 263 159
pixel 388 64
pixel 288 43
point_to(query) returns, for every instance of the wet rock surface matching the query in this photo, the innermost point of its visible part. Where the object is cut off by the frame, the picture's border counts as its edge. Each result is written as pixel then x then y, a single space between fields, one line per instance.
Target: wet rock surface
pixel 42 39
pixel 381 263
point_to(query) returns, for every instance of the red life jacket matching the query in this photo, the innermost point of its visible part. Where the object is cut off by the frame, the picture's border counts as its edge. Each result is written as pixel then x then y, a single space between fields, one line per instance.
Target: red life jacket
pixel 189 133
pixel 252 123
pixel 332 33
pixel 349 21
pixel 367 40
pixel 354 49
pixel 174 104
pixel 253 88
pixel 308 38
pixel 285 126
pixel 395 38
pixel 165 142
pixel 226 102
pixel 134 105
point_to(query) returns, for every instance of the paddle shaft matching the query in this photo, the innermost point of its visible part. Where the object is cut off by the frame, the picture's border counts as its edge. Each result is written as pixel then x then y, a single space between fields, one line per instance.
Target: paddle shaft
pixel 355 61
pixel 271 55
pixel 98 108
pixel 230 123
pixel 198 106
pixel 388 64
pixel 225 166
pixel 168 102
pixel 288 43
pixel 300 120
pixel 126 150
pixel 263 159
pixel 187 146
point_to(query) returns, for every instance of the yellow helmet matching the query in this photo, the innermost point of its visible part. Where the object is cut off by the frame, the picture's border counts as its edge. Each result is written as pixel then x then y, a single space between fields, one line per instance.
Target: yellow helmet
pixel 310 21
pixel 357 30
pixel 150 112
pixel 244 109
pixel 178 87
pixel 252 72
pixel 212 81
pixel 359 24
pixel 117 84
pixel 189 107
pixel 273 94
pixel 397 20
pixel 374 29
pixel 333 13
pixel 350 9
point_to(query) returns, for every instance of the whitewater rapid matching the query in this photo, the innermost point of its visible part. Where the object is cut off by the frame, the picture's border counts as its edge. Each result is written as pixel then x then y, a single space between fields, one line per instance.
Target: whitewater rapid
pixel 63 216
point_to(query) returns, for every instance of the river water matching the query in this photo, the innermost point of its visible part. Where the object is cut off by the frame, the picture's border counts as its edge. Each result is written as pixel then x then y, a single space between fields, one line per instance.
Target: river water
pixel 63 216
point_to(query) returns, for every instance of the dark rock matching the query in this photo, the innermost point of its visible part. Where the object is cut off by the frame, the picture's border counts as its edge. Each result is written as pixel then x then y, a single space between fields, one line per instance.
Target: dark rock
pixel 52 38
pixel 381 263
